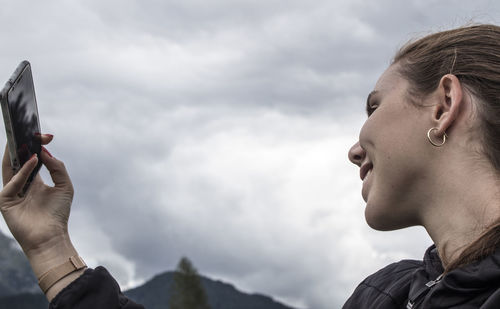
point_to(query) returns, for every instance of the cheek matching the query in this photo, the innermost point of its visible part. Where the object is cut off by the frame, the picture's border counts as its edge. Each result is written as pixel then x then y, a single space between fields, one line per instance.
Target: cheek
pixel 397 170
pixel 390 131
pixel 376 133
pixel 395 191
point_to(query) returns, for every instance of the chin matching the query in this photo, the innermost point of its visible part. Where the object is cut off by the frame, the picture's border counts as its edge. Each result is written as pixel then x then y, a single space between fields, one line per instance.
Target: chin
pixel 380 226
pixel 377 224
pixel 385 219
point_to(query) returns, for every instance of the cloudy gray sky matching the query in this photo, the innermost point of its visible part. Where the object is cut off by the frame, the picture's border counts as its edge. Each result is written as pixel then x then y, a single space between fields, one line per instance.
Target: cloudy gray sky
pixel 219 130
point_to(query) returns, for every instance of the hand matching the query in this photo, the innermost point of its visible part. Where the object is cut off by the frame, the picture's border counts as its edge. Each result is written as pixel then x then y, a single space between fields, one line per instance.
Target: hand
pixel 39 219
pixel 41 216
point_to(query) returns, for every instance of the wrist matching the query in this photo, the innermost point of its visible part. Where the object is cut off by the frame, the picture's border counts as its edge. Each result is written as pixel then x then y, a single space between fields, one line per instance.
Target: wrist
pixel 51 277
pixel 51 254
pixel 55 264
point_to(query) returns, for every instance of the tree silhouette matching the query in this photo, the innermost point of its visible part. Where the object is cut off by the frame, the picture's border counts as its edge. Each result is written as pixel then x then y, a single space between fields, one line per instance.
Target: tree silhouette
pixel 187 291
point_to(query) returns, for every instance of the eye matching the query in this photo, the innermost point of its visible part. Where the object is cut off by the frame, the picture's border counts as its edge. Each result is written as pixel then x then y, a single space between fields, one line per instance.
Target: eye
pixel 371 108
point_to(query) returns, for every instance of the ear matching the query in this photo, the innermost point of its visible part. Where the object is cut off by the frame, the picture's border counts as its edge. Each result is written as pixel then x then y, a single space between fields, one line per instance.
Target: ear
pixel 450 100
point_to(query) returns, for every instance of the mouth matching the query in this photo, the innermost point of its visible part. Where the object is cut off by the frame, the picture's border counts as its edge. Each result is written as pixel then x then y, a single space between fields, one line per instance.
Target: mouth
pixel 365 169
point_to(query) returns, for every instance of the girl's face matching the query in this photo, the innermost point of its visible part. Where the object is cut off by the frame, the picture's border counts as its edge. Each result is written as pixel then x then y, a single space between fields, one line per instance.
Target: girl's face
pixel 392 153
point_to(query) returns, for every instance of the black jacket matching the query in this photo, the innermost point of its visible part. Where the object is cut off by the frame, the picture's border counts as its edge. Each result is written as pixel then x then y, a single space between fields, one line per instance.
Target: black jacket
pixel 95 289
pixel 419 284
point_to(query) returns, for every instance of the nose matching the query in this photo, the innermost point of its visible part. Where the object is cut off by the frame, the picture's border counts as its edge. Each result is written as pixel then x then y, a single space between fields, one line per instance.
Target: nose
pixel 357 154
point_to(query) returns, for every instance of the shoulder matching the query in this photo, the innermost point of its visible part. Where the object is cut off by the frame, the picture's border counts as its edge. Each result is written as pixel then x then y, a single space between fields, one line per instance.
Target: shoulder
pixel 387 288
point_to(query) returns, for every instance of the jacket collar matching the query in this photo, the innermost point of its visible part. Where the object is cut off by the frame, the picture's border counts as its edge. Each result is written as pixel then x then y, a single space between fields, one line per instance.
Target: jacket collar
pixel 432 263
pixel 485 270
pixel 462 285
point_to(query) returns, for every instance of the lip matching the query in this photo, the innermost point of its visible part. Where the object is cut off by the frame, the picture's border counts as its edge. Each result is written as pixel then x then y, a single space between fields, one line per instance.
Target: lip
pixel 364 170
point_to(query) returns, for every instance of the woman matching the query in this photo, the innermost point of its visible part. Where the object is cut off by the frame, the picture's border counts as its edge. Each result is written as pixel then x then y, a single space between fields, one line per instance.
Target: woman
pixel 429 155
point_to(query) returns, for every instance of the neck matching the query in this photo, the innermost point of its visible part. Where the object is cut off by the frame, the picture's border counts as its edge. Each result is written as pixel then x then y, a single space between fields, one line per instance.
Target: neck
pixel 462 207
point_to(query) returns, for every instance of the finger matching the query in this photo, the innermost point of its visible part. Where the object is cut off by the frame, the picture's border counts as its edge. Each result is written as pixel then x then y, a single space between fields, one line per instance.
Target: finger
pixel 57 170
pixel 46 138
pixel 16 183
pixel 7 172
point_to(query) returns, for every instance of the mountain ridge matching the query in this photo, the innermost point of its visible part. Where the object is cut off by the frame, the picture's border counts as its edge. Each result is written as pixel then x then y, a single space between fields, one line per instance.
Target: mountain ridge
pixel 221 295
pixel 19 287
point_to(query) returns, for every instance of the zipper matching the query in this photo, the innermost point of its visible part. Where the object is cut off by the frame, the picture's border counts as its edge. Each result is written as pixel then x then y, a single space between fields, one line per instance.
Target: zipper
pixel 412 303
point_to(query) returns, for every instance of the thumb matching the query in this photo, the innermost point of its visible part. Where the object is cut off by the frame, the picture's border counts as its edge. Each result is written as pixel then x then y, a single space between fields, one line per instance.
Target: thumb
pixel 16 183
pixel 7 172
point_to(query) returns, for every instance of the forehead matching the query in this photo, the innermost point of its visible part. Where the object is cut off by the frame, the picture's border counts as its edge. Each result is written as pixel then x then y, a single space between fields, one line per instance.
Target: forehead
pixel 389 80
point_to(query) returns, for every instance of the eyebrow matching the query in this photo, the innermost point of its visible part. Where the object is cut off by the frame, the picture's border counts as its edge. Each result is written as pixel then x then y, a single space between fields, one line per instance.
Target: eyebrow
pixel 368 101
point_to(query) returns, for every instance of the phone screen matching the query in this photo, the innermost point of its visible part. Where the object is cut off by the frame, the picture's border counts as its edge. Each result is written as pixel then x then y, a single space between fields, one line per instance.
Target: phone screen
pixel 24 116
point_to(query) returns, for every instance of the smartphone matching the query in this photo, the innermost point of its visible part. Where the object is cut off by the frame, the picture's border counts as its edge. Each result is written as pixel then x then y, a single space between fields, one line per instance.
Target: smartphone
pixel 20 115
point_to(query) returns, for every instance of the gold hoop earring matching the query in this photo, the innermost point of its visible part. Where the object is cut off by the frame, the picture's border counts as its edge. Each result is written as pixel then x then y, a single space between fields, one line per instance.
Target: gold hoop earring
pixel 434 143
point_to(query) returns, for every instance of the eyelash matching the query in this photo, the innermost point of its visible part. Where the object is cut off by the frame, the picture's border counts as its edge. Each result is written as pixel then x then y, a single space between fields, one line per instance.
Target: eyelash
pixel 372 108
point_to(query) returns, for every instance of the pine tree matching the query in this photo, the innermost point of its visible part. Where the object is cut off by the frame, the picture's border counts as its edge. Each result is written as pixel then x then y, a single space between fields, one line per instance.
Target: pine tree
pixel 187 291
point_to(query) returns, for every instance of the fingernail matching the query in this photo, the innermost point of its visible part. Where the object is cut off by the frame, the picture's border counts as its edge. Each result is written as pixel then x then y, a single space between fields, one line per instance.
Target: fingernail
pixel 33 156
pixel 47 152
pixel 45 134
